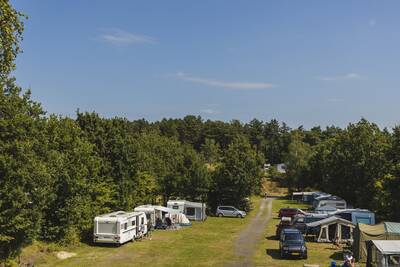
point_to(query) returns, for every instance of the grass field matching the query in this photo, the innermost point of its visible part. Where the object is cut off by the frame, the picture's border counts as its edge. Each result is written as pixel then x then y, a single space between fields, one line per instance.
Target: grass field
pixel 208 243
pixel 267 253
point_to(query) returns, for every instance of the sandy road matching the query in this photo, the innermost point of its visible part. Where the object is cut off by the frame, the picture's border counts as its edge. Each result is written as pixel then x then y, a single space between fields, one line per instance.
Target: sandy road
pixel 251 235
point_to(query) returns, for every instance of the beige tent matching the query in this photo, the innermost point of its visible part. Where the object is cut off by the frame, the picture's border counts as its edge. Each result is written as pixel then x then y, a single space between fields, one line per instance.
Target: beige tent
pixel 333 228
pixel 365 232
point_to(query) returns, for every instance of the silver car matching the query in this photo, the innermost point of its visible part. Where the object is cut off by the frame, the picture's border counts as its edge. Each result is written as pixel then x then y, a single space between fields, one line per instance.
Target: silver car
pixel 229 211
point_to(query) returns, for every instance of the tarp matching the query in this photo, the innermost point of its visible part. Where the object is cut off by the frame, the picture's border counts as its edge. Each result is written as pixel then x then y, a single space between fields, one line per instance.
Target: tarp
pixel 365 232
pixel 387 247
pixel 329 220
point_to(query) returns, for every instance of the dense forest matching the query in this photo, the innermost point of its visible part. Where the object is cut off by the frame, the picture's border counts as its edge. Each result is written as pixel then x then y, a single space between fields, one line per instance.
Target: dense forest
pixel 57 173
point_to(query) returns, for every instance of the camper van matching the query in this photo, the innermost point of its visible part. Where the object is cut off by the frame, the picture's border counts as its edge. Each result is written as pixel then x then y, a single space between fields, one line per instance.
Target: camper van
pixel 195 211
pixel 119 227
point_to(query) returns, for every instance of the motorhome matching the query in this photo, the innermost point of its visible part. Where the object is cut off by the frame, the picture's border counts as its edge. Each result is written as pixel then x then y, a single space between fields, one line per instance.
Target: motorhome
pixel 119 227
pixel 195 211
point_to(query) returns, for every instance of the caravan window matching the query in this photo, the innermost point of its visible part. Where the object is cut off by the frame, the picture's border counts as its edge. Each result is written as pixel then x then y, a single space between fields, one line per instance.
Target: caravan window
pixel 133 223
pixel 107 228
pixel 142 220
pixel 124 226
pixel 365 220
pixel 175 207
pixel 190 211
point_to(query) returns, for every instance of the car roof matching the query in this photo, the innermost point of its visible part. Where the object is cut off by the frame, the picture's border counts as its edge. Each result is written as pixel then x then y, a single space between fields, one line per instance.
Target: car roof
pixel 291 230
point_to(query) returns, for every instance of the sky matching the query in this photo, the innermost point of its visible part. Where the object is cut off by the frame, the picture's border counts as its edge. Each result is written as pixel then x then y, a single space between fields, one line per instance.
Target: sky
pixel 303 62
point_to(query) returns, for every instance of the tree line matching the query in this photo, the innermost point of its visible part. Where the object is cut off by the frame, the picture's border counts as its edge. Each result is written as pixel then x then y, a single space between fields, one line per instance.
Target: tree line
pixel 360 163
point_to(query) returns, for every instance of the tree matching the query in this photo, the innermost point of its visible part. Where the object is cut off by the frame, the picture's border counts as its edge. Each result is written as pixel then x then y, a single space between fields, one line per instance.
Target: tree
pixel 238 176
pixel 79 192
pixel 11 28
pixel 296 162
pixel 211 151
pixel 24 180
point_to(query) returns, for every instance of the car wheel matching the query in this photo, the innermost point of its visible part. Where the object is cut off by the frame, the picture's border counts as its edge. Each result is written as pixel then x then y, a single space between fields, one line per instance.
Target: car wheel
pixel 282 255
pixel 220 215
pixel 239 216
pixel 305 256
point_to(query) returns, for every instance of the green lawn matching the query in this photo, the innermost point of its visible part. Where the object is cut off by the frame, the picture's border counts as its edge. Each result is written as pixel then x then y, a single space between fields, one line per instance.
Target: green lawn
pixel 267 253
pixel 208 243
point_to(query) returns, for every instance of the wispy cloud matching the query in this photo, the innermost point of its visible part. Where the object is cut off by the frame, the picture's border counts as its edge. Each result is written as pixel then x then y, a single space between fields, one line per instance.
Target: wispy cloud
pixel 209 111
pixel 224 84
pixel 348 76
pixel 123 38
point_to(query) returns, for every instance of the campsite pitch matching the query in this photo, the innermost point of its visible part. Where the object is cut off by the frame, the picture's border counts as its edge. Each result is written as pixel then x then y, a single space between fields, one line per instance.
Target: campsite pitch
pixel 267 251
pixel 209 243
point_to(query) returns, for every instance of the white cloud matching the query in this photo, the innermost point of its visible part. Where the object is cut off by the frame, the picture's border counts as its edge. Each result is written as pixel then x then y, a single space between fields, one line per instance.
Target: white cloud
pixel 348 76
pixel 224 84
pixel 123 38
pixel 209 111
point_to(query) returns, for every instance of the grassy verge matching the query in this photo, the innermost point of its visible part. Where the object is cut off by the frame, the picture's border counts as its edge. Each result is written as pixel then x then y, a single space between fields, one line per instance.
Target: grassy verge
pixel 208 243
pixel 267 252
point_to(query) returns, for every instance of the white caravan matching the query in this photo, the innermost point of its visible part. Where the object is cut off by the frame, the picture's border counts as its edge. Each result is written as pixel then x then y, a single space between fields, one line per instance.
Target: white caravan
pixel 119 227
pixel 193 210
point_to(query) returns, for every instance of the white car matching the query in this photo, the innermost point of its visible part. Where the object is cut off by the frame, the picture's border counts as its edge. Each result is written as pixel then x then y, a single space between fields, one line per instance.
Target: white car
pixel 229 211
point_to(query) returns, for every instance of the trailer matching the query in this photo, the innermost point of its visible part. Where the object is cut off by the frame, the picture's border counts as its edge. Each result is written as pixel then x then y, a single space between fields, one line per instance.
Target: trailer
pixel 195 211
pixel 119 227
pixel 329 200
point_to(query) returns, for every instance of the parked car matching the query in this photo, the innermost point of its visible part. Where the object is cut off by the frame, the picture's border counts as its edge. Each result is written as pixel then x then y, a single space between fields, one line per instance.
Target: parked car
pixel 229 211
pixel 299 221
pixel 292 242
pixel 288 212
pixel 286 222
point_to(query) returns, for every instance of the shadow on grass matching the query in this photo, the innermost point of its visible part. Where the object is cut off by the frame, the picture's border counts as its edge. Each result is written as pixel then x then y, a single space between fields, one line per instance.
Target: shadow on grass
pixel 272 237
pixel 337 256
pixel 274 253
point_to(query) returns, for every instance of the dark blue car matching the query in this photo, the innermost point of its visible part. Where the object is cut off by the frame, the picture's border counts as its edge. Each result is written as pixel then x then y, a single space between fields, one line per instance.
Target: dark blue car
pixel 291 242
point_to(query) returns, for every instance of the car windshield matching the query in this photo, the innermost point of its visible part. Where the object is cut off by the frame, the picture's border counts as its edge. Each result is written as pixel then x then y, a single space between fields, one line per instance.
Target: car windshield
pixel 293 236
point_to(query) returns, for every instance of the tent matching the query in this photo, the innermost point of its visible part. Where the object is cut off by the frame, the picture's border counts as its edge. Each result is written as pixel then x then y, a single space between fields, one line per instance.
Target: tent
pixel 365 232
pixel 332 228
pixel 383 253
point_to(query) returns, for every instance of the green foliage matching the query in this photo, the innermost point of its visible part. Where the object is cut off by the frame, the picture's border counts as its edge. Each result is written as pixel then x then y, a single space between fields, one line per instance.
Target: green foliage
pixel 238 175
pixel 11 28
pixel 296 162
pixel 211 151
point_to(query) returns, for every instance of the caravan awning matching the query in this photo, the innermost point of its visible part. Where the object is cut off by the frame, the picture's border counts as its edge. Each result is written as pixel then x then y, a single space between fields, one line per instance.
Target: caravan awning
pixel 329 220
pixel 387 247
pixel 165 209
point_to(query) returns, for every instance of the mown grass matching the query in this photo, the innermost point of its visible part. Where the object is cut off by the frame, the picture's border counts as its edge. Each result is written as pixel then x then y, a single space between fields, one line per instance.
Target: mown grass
pixel 267 252
pixel 209 243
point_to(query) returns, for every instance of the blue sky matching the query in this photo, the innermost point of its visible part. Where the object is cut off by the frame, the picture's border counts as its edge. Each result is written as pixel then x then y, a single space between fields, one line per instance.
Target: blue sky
pixel 303 62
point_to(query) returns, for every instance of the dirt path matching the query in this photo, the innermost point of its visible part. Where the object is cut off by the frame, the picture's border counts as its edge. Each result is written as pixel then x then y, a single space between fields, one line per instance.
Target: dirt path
pixel 250 236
